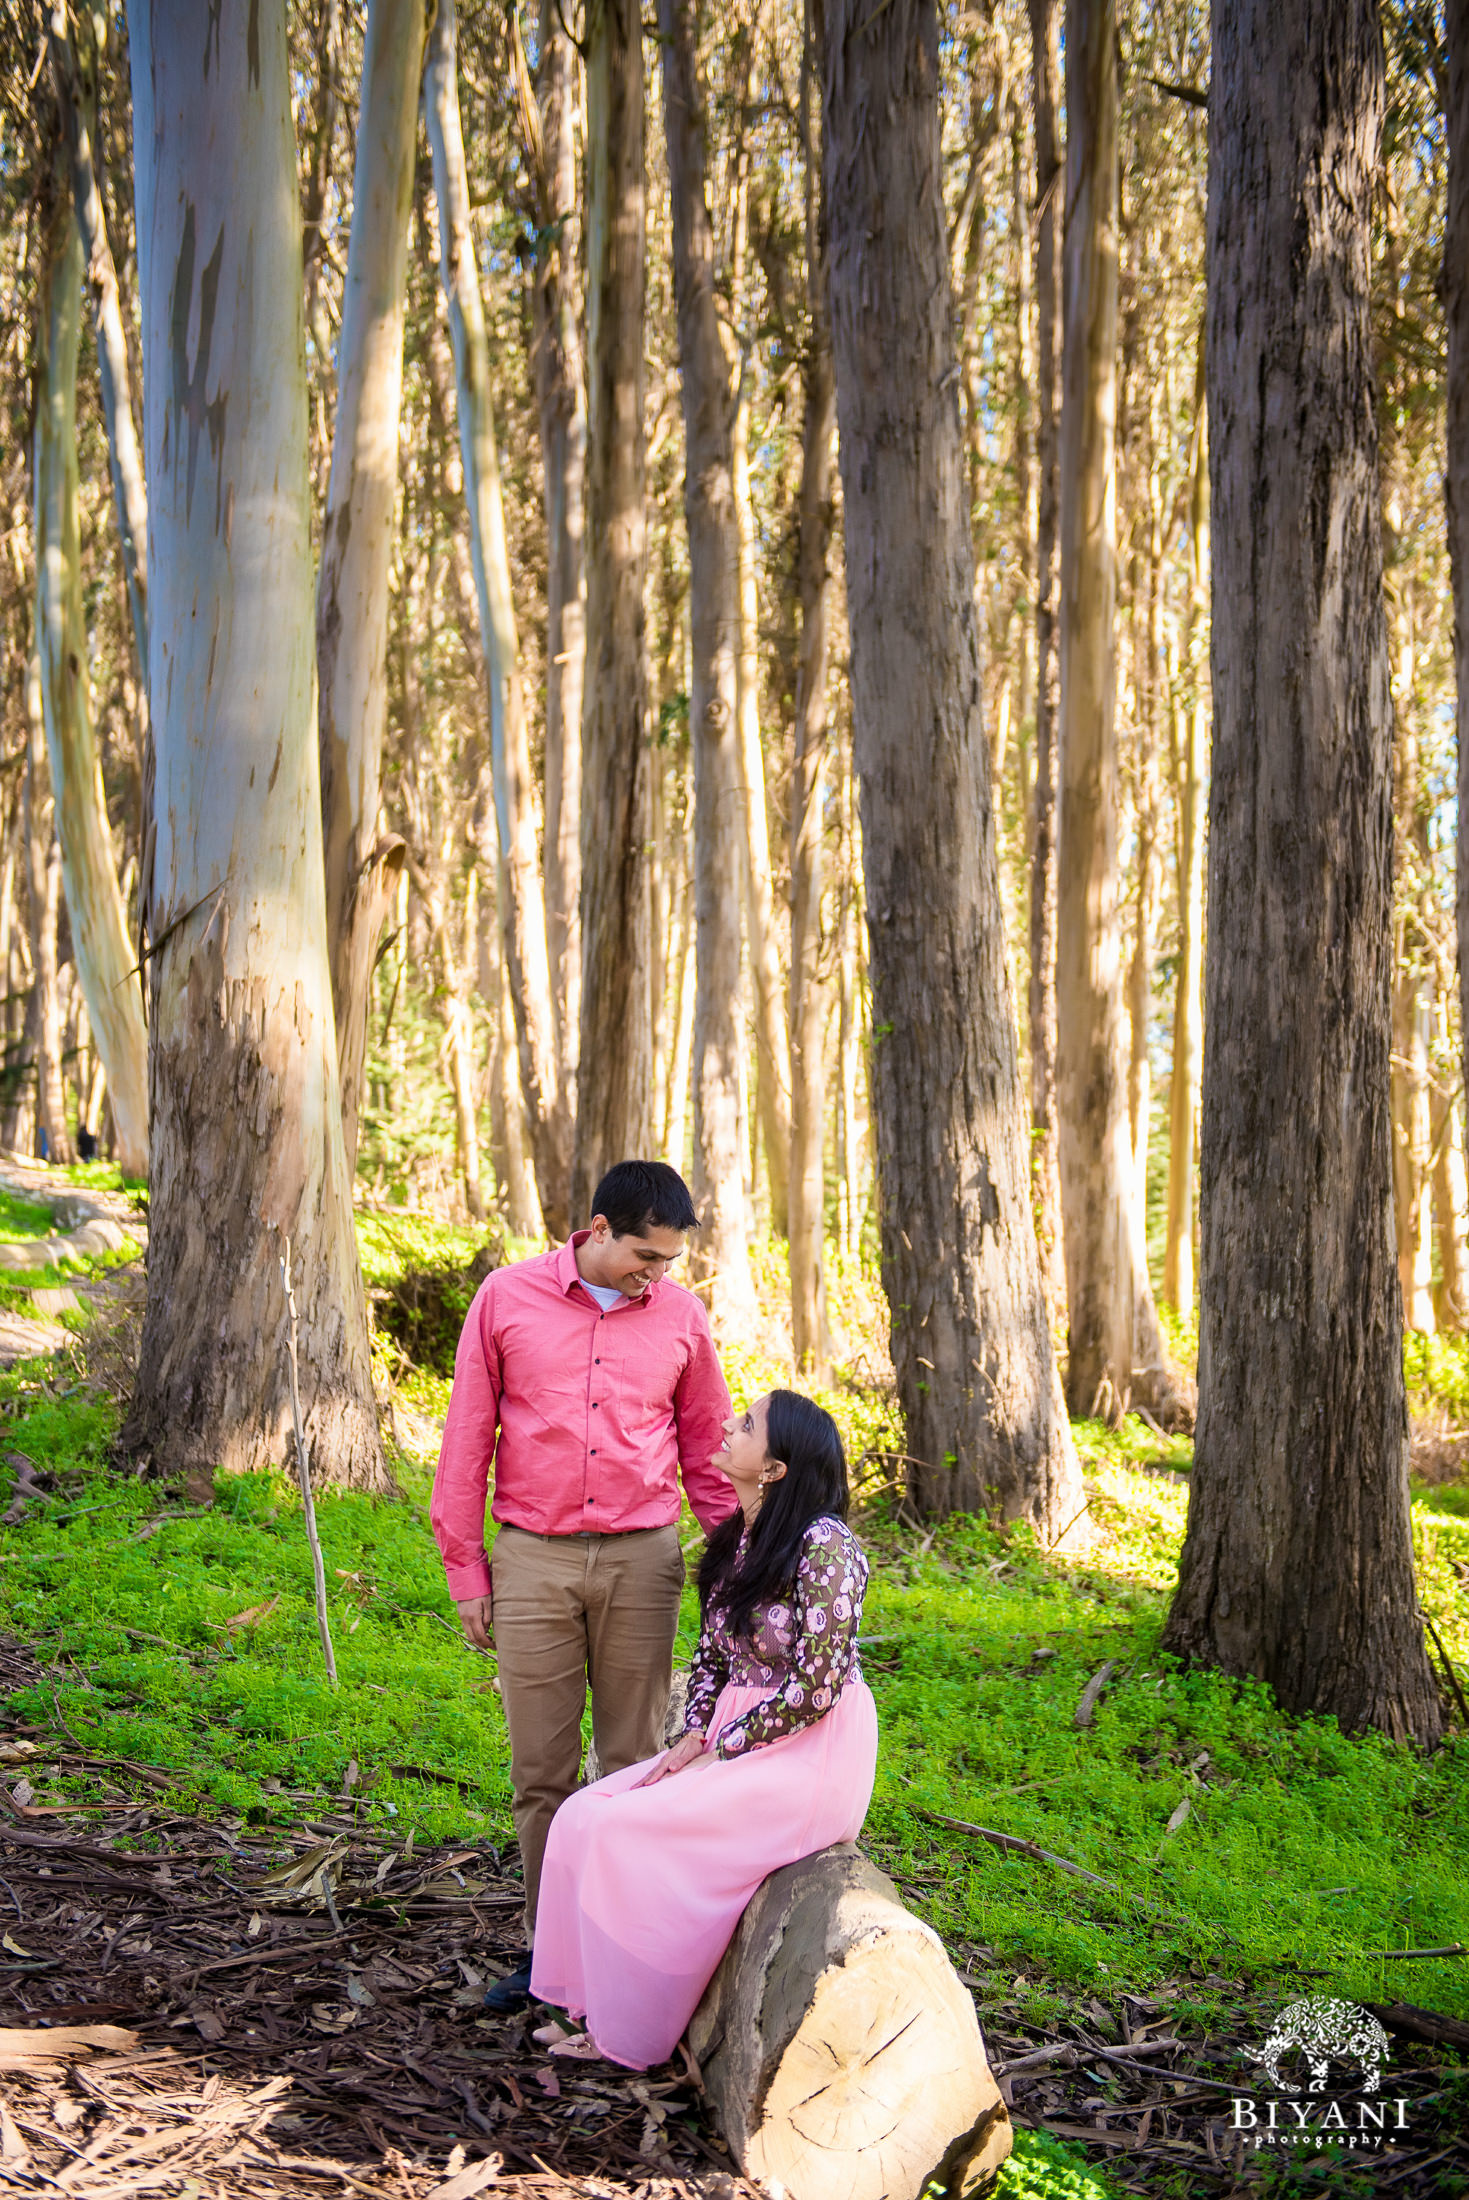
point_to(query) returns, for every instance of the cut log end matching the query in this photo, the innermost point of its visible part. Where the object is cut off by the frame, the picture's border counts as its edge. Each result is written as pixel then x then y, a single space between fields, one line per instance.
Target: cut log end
pixel 839 2050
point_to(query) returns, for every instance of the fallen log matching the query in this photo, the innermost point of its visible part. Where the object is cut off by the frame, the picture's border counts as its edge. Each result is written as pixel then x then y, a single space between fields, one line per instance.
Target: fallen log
pixel 839 2051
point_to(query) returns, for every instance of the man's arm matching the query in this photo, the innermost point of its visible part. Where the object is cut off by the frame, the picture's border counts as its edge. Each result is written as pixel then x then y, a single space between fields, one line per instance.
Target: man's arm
pixel 701 1406
pixel 461 1485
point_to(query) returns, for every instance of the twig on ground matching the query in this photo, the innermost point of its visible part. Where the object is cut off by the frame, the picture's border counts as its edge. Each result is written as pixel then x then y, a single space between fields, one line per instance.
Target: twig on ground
pixel 1086 1709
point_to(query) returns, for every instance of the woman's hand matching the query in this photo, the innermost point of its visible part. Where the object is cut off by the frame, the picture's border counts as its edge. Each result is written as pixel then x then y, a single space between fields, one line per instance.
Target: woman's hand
pixel 687 1750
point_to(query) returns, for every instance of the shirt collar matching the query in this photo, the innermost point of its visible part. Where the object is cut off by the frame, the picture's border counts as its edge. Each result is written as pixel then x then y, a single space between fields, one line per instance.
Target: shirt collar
pixel 568 1274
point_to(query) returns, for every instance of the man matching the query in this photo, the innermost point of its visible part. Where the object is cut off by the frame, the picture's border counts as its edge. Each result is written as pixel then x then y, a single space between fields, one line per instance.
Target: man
pixel 592 1381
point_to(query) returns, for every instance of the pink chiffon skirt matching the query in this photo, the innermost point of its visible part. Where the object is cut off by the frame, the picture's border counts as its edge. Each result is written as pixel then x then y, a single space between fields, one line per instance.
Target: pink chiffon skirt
pixel 642 1888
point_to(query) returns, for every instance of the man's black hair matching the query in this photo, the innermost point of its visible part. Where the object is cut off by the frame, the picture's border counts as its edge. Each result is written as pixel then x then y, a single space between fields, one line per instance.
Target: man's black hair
pixel 644 1195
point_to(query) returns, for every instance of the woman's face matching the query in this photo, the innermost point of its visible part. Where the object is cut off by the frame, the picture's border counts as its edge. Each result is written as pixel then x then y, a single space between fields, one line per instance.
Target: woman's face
pixel 743 1456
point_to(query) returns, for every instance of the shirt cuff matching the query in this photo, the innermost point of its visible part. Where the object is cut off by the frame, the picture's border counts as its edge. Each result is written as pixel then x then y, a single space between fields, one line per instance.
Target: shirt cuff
pixel 469 1581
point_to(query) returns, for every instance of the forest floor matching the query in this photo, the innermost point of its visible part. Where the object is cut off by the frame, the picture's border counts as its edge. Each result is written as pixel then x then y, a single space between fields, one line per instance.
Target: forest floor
pixel 290 1900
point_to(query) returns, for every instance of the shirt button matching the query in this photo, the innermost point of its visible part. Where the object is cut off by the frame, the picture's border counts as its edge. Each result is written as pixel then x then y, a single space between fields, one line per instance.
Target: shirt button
pixel 594 1454
pixel 595 1403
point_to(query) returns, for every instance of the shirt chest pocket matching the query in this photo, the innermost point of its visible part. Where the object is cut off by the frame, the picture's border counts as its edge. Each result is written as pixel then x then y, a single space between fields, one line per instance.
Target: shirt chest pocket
pixel 643 1377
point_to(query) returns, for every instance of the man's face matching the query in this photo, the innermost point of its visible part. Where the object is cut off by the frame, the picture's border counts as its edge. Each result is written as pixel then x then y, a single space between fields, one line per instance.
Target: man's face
pixel 632 1262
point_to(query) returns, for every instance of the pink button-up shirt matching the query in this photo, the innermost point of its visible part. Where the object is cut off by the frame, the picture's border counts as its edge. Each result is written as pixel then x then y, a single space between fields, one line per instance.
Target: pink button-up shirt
pixel 596 1414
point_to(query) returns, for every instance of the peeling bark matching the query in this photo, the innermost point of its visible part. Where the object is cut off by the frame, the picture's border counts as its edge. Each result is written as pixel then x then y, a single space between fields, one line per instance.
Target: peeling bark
pixel 247 1128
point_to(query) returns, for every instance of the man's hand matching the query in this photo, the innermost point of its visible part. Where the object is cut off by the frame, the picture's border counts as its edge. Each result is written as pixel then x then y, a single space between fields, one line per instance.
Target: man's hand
pixel 687 1750
pixel 477 1620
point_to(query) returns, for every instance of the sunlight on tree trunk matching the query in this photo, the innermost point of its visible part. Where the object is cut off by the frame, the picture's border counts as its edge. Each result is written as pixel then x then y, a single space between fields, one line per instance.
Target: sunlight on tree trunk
pixel 247 1123
pixel 972 1349
pixel 722 1256
pixel 43 883
pixel 1298 1563
pixel 105 960
pixel 363 866
pixel 810 1341
pixel 615 1067
pixel 1188 998
pixel 1115 1346
pixel 521 897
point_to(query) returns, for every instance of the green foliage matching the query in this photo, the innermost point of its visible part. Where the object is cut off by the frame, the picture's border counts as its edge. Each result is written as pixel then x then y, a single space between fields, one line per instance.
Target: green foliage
pixel 22 1218
pixel 1437 1372
pixel 1041 2168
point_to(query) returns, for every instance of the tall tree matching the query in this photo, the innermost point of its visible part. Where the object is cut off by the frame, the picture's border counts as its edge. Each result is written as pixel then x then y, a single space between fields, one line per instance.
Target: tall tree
pixel 1297 1566
pixel 548 115
pixel 810 1343
pixel 43 897
pixel 1456 471
pixel 714 613
pixel 971 1346
pixel 615 1069
pixel 1045 42
pixel 75 58
pixel 363 865
pixel 1116 1351
pixel 247 1145
pixel 1191 717
pixel 521 896
pixel 106 963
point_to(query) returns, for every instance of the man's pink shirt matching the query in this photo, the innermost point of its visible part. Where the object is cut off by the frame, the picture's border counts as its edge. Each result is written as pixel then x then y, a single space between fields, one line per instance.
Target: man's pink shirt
pixel 597 1414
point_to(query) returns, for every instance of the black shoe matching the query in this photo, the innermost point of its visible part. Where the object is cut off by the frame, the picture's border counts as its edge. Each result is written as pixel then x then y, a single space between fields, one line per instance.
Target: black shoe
pixel 510 1993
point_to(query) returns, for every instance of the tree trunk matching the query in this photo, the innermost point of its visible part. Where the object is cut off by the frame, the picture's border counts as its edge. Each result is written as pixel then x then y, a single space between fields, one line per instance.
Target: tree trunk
pixel 719 1188
pixel 521 899
pixel 561 399
pixel 1455 288
pixel 362 866
pixel 849 1019
pixel 971 1347
pixel 1298 1566
pixel 1115 1349
pixel 314 200
pixel 247 1125
pixel 810 1344
pixel 43 893
pixel 1448 1214
pixel 1188 998
pixel 75 76
pixel 1045 1161
pixel 839 2051
pixel 105 960
pixel 772 1052
pixel 615 1067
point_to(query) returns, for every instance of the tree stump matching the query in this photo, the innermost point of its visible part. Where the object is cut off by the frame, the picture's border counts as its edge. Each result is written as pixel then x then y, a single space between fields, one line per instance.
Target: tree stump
pixel 839 2051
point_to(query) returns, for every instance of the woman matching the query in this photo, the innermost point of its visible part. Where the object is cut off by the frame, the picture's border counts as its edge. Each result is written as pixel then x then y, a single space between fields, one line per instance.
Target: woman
pixel 648 1871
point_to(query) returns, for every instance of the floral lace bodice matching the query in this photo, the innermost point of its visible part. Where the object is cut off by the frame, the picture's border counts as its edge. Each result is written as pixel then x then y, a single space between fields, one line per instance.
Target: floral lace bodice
pixel 803 1652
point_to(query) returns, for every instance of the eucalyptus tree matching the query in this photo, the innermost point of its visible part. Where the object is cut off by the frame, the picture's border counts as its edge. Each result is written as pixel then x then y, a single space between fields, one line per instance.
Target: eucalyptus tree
pixel 1298 1564
pixel 971 1344
pixel 714 618
pixel 615 1067
pixel 106 961
pixel 247 1150
pixel 363 864
pixel 521 894
pixel 1115 1349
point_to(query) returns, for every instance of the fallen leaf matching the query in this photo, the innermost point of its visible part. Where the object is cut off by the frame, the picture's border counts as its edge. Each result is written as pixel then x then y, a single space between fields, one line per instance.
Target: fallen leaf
pixel 253 1615
pixel 22 1792
pixel 548 2082
pixel 34 2049
pixel 15 1947
pixel 1178 1816
pixel 208 2024
pixel 326 2019
pixel 15 1753
pixel 466 2182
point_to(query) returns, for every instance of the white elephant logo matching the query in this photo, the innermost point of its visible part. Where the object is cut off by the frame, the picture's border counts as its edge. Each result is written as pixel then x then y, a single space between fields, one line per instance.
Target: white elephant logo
pixel 1325 2030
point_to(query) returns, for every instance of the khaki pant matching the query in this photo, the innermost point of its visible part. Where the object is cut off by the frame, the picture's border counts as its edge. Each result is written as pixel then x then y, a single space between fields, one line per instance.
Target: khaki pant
pixel 569 1609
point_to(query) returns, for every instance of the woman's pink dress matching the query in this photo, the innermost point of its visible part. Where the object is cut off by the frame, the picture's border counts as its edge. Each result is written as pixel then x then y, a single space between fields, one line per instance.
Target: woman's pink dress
pixel 642 1887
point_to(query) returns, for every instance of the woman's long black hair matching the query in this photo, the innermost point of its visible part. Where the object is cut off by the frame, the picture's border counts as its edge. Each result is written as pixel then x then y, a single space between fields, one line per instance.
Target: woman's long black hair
pixel 813 1487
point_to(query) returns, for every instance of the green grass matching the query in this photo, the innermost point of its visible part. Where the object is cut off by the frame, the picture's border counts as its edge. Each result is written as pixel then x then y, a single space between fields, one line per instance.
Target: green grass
pixel 23 1218
pixel 1302 1851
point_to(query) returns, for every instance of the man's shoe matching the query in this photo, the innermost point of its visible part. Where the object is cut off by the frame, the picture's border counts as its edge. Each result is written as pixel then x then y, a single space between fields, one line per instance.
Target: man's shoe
pixel 510 1993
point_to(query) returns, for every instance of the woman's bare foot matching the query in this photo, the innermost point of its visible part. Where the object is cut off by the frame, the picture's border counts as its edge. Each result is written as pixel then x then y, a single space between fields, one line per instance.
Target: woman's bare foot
pixel 583 2048
pixel 551 2035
